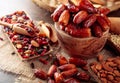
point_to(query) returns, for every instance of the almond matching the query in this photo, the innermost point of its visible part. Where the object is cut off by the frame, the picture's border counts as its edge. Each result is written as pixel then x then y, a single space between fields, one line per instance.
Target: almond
pixel 34 43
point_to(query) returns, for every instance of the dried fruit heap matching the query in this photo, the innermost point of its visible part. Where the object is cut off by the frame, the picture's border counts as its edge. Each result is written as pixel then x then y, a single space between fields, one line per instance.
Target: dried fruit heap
pixel 27 47
pixel 79 18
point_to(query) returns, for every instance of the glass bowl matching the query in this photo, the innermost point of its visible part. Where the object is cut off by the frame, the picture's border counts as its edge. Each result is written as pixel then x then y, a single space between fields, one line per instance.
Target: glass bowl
pixel 80 47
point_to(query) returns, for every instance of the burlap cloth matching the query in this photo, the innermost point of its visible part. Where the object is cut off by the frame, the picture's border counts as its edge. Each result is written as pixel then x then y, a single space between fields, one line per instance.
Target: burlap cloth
pixel 12 63
pixel 23 71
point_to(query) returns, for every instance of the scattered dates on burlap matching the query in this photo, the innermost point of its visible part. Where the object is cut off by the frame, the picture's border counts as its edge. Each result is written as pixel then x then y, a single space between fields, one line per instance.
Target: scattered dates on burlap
pixel 64 70
pixel 108 71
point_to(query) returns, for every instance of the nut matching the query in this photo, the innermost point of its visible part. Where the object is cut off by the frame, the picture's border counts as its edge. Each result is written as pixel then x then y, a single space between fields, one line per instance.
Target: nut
pixel 19 46
pixel 104 80
pixel 107 67
pixel 64 18
pixel 34 43
pixel 117 73
pixel 98 66
pixel 110 77
pixel 80 16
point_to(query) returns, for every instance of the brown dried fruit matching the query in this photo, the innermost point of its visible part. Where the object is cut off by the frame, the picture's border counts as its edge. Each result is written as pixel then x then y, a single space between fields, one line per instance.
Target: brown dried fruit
pixel 81 33
pixel 107 20
pixel 90 20
pixel 80 16
pixel 100 58
pixel 58 78
pixel 72 8
pixel 66 67
pixel 88 6
pixel 103 10
pixel 85 68
pixel 77 61
pixel 55 16
pixel 83 76
pixel 96 30
pixel 64 18
pixel 61 59
pixel 69 73
pixel 44 61
pixel 71 80
pixel 40 74
pixel 52 70
pixel 104 25
pixel 50 80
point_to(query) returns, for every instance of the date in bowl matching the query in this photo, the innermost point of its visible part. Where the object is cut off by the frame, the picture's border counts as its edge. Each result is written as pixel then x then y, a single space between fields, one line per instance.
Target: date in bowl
pixel 81 47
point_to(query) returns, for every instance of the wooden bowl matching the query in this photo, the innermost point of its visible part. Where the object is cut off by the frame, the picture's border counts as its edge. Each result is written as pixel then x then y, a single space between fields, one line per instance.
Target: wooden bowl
pixel 81 47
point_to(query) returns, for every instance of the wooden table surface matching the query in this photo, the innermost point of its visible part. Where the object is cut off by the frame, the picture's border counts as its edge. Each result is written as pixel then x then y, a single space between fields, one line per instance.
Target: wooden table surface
pixel 36 13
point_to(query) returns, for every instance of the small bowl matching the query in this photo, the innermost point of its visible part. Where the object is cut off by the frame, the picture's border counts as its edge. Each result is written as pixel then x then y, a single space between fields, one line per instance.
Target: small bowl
pixel 81 47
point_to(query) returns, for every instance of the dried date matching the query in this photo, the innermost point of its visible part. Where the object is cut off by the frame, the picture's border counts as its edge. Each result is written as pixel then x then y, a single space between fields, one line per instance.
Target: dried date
pixel 61 59
pixel 80 16
pixel 52 70
pixel 77 61
pixel 83 76
pixel 72 80
pixel 69 73
pixel 64 18
pixel 66 67
pixel 55 16
pixel 40 74
pixel 90 20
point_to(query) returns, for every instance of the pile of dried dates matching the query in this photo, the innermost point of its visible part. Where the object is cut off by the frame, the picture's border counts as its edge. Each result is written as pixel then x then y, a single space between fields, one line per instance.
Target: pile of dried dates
pixel 65 71
pixel 108 71
pixel 79 18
